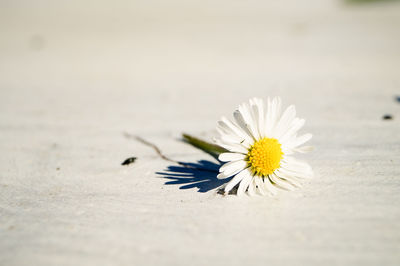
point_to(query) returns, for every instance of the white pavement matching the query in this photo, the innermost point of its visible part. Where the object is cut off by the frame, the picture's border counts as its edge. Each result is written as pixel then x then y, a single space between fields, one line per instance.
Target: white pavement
pixel 75 76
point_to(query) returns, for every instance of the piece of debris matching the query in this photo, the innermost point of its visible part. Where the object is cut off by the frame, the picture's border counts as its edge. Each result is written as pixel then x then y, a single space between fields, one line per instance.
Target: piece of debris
pixel 158 151
pixel 387 117
pixel 129 161
pixel 397 99
pixel 147 143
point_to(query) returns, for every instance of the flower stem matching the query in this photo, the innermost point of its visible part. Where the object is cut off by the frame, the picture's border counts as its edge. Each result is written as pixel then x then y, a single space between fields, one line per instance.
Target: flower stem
pixel 212 149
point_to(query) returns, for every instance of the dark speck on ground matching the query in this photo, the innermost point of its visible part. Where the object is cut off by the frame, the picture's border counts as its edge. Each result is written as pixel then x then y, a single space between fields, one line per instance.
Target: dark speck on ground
pixel 129 161
pixel 387 117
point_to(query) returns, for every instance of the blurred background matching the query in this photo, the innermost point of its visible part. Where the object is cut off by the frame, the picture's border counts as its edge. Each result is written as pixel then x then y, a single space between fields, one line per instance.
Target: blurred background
pixel 75 75
pixel 148 60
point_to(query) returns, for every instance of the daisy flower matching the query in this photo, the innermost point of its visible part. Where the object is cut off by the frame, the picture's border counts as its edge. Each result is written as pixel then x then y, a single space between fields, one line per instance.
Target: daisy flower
pixel 260 142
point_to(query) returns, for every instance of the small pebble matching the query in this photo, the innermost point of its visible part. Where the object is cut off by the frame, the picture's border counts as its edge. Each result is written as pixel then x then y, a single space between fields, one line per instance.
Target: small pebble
pixel 387 117
pixel 129 161
pixel 397 98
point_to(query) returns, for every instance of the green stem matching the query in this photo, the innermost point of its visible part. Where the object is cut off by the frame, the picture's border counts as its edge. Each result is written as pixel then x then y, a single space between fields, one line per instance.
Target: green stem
pixel 212 149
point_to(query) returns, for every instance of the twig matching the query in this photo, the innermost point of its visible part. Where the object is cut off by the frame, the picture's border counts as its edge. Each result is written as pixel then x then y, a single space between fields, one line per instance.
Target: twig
pixel 158 151
pixel 145 142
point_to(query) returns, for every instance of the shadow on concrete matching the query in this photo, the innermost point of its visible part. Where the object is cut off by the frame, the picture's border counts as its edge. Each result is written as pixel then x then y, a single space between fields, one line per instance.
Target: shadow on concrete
pixel 201 175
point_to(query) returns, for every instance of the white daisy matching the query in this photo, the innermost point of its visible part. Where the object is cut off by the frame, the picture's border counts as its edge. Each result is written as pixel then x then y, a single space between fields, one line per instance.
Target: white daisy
pixel 260 141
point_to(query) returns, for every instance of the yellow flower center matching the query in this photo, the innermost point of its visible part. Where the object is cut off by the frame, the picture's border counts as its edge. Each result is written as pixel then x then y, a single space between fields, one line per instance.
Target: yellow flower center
pixel 264 156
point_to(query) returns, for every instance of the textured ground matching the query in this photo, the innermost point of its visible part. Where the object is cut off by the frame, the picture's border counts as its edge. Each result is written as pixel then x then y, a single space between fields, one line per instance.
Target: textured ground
pixel 74 77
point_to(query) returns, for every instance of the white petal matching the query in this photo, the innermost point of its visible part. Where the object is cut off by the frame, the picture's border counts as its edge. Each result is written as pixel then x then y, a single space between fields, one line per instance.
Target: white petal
pixel 269 186
pixel 245 182
pixel 252 118
pixel 296 168
pixel 235 180
pixel 261 116
pixel 281 183
pixel 268 120
pixel 223 131
pixel 252 187
pixel 299 140
pixel 295 173
pixel 230 137
pixel 285 121
pixel 304 149
pixel 234 140
pixel 232 147
pixel 222 176
pixel 242 123
pixel 291 179
pixel 273 112
pixel 292 130
pixel 234 129
pixel 233 167
pixel 287 150
pixel 260 185
pixel 230 156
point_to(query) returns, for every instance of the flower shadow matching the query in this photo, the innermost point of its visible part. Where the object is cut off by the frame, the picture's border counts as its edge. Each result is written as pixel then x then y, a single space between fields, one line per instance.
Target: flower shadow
pixel 201 175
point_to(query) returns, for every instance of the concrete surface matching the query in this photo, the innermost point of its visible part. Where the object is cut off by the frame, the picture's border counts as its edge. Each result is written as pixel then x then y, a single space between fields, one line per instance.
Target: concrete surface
pixel 75 75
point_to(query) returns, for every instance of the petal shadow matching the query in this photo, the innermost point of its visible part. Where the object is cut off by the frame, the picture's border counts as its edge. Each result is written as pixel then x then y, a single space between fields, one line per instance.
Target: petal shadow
pixel 201 175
